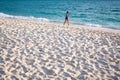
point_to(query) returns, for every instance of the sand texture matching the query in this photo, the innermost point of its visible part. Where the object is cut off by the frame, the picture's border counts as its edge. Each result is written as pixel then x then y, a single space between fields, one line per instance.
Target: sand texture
pixel 31 50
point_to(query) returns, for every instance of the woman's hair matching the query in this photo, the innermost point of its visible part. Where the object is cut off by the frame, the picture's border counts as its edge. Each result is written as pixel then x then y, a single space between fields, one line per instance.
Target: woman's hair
pixel 67 12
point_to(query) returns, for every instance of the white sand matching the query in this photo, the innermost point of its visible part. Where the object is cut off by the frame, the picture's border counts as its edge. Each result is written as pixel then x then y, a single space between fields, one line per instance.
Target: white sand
pixel 31 50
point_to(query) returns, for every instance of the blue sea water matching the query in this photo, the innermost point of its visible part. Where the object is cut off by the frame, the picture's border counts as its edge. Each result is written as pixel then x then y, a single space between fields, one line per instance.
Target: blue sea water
pixel 93 13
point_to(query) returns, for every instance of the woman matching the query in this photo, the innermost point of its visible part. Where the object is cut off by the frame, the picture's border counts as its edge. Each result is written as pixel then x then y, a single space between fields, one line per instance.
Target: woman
pixel 66 18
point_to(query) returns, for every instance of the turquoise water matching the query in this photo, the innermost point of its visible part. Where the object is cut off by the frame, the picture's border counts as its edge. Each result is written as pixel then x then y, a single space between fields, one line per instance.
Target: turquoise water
pixel 93 13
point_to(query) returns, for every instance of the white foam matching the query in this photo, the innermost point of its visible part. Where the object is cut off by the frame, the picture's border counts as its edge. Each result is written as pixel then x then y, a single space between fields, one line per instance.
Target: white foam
pixel 94 25
pixel 24 17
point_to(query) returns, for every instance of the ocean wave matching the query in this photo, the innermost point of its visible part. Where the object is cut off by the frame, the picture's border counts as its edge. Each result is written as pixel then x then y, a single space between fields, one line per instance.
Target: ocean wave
pixel 110 26
pixel 93 25
pixel 2 15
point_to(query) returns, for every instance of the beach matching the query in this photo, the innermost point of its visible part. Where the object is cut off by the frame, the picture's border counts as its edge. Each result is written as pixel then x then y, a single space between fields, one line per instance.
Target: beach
pixel 33 50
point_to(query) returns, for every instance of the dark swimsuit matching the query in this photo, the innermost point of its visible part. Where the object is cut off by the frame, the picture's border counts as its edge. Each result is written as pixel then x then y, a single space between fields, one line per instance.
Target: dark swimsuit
pixel 66 17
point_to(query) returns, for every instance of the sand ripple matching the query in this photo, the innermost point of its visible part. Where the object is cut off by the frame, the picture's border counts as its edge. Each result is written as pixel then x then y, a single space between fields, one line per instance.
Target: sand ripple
pixel 42 51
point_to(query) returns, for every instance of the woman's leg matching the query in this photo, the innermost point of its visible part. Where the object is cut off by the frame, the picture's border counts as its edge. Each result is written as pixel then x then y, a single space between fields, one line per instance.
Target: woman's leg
pixel 68 22
pixel 64 21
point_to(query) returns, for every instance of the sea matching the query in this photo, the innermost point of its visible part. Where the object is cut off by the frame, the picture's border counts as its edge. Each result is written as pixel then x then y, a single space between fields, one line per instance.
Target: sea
pixel 90 13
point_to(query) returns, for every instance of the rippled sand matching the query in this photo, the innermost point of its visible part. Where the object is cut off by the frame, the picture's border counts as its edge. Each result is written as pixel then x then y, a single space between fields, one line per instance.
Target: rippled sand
pixel 31 50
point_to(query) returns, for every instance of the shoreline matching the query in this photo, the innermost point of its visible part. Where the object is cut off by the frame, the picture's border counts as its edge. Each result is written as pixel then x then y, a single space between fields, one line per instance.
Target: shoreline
pixel 75 25
pixel 45 50
pixel 114 27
